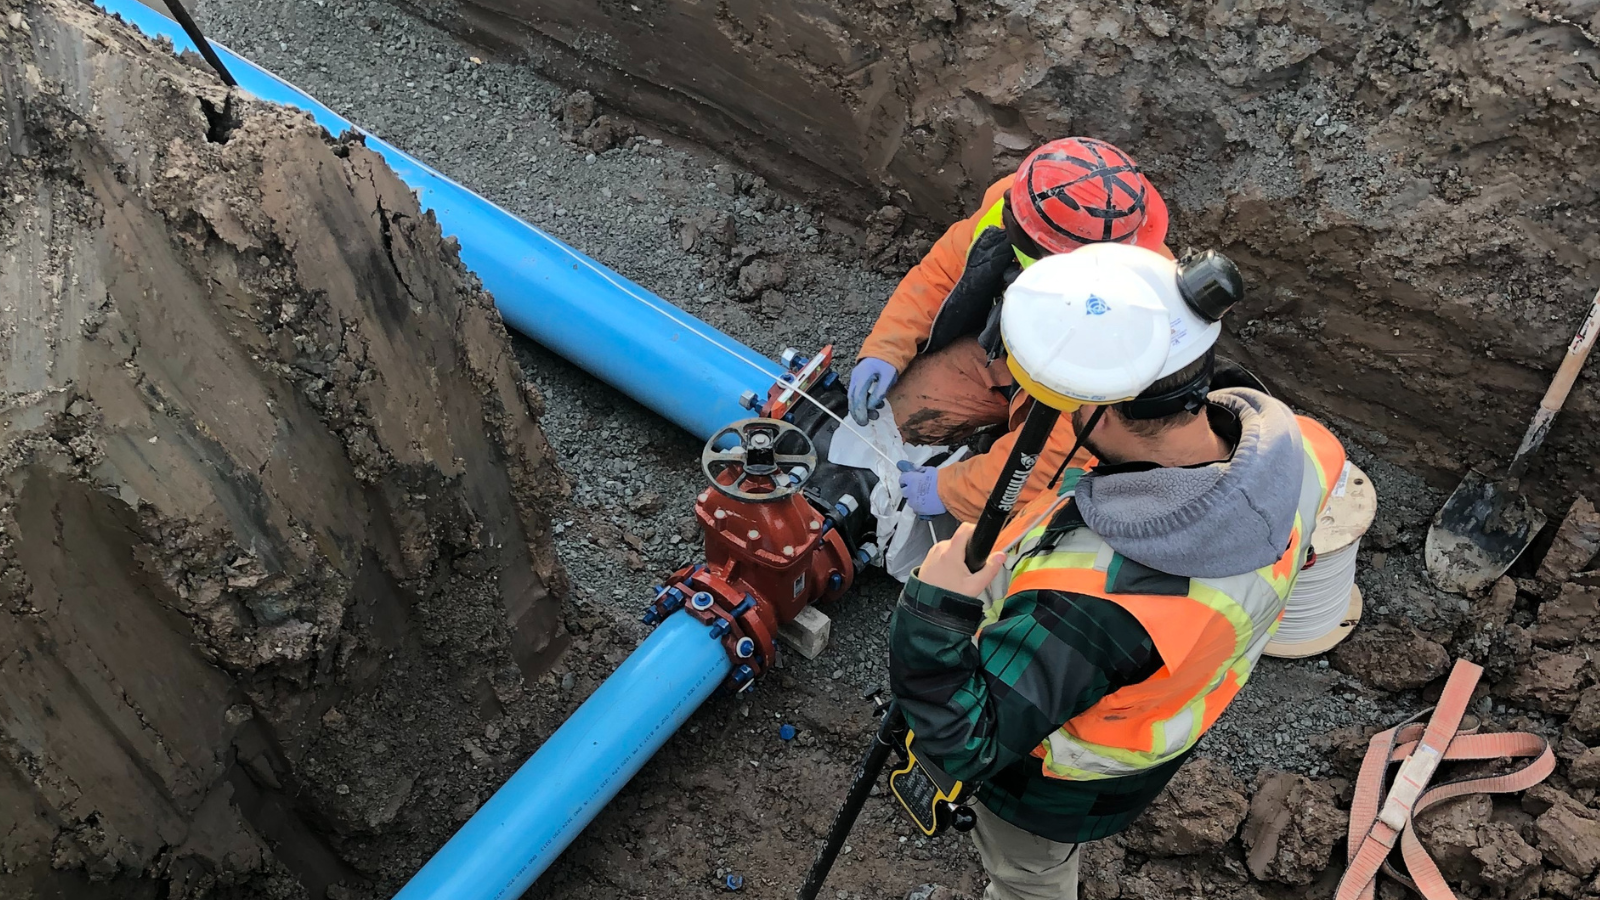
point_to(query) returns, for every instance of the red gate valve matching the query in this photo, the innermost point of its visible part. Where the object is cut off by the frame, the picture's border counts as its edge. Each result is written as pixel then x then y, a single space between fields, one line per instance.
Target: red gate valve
pixel 769 552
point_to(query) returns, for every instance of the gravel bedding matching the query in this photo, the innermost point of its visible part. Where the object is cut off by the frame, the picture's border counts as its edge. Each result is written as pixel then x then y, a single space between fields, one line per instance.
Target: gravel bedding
pixel 494 126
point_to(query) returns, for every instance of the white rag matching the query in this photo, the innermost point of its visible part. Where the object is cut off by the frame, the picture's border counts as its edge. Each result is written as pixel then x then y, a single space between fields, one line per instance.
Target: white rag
pixel 902 539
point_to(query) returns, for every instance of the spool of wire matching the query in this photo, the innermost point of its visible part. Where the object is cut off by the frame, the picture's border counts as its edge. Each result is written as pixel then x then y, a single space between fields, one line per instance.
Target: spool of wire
pixel 1325 603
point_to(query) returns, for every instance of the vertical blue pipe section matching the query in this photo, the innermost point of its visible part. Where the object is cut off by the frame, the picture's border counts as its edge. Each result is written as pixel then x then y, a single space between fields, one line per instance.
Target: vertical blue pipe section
pixel 671 362
pixel 515 836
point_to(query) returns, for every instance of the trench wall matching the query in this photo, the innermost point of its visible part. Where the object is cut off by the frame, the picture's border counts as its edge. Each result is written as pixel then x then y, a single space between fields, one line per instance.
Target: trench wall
pixel 274 537
pixel 1409 186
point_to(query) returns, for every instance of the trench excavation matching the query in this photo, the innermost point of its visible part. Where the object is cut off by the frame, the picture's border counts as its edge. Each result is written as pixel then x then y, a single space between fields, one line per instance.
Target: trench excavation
pixel 294 581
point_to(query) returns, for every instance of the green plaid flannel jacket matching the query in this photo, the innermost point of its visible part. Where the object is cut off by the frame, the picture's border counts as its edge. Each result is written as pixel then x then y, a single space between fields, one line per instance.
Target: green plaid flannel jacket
pixel 979 708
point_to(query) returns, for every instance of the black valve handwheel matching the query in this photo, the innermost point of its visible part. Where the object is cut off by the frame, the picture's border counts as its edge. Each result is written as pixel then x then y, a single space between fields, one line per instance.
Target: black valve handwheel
pixel 768 460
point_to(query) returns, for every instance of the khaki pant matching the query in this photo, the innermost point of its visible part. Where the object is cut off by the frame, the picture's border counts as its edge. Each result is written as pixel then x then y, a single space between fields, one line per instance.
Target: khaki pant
pixel 1023 866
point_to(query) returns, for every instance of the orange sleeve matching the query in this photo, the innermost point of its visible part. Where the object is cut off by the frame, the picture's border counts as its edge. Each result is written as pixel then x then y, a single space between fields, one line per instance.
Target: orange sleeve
pixel 964 486
pixel 907 317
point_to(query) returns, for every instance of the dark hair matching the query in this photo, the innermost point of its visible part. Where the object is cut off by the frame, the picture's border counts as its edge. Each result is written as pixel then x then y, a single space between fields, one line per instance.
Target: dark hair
pixel 1149 428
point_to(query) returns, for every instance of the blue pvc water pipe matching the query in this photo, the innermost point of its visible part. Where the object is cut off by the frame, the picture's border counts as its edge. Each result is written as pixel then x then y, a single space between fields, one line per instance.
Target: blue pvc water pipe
pixel 515 836
pixel 624 335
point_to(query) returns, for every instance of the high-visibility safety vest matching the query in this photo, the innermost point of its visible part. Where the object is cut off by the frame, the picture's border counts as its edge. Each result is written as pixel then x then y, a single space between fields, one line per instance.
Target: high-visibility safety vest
pixel 1209 631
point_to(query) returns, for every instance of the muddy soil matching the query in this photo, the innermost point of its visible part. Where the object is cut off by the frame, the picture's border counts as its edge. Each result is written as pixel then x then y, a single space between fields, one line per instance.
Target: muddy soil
pixel 1410 186
pixel 274 502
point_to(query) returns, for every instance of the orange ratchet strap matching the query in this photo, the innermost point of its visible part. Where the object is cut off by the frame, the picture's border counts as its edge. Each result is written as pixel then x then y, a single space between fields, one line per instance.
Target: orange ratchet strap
pixel 1379 820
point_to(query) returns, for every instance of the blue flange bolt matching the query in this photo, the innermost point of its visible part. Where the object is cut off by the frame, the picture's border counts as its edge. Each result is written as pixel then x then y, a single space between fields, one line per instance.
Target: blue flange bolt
pixel 668 601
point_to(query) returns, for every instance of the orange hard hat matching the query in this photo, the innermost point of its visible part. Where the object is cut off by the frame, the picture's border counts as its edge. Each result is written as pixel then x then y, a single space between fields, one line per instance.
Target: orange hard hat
pixel 1077 191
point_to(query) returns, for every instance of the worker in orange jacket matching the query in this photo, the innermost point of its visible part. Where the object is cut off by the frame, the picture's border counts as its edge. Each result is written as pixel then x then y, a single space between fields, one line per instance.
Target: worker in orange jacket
pixel 933 351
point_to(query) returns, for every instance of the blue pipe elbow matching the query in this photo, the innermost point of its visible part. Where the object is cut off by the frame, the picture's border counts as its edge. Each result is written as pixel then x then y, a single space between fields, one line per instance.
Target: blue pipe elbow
pixel 668 360
pixel 521 830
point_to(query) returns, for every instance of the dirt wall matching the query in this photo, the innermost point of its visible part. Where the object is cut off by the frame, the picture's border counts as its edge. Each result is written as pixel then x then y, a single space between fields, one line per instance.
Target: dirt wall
pixel 1410 186
pixel 274 533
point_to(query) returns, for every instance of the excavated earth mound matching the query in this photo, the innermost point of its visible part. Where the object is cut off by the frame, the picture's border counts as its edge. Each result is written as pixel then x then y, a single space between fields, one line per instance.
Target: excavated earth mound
pixel 1409 186
pixel 274 533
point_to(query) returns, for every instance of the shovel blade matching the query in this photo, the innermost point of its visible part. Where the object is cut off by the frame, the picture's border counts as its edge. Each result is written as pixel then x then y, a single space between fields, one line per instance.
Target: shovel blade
pixel 1479 532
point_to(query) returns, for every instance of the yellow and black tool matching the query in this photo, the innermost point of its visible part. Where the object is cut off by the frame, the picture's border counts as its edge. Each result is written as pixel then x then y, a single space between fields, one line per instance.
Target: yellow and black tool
pixel 928 794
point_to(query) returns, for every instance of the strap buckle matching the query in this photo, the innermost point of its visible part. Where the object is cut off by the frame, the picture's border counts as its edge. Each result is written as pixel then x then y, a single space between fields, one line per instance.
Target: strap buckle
pixel 1409 783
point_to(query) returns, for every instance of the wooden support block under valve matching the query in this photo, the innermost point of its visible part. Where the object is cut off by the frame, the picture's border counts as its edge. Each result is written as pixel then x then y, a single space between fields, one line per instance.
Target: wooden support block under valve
pixel 808 632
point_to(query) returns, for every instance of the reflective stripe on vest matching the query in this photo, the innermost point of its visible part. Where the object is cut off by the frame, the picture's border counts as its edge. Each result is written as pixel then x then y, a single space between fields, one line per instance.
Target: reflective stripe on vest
pixel 993 217
pixel 1209 639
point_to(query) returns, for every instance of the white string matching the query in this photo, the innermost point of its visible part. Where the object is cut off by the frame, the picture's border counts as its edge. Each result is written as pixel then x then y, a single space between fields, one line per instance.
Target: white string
pixel 832 415
pixel 1320 597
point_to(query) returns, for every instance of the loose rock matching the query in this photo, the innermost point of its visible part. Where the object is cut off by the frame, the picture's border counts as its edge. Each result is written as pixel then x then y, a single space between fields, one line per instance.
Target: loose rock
pixel 1573 615
pixel 1291 828
pixel 1100 871
pixel 604 133
pixel 1450 832
pixel 1494 610
pixel 1576 543
pixel 578 112
pixel 1199 812
pixel 1391 657
pixel 1551 682
pixel 761 275
pixel 1508 865
pixel 1584 771
pixel 1569 836
pixel 1585 721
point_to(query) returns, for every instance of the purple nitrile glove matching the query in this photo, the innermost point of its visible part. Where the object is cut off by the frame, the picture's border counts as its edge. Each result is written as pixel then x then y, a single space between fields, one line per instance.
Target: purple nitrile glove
pixel 870 381
pixel 920 486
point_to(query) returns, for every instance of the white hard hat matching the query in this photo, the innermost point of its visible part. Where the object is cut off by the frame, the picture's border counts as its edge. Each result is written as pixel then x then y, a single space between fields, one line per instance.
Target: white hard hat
pixel 1099 325
pixel 1192 335
pixel 1081 328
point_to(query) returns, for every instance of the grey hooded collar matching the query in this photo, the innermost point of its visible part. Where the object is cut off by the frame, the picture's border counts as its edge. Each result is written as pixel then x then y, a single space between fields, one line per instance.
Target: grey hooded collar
pixel 1212 521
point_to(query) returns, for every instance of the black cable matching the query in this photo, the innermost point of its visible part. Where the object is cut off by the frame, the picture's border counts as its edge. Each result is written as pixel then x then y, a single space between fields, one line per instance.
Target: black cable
pixel 866 776
pixel 1036 429
pixel 1088 427
pixel 200 42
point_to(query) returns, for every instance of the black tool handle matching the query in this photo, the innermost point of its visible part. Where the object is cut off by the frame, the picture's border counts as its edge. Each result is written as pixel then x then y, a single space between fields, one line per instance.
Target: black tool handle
pixel 1024 456
pixel 866 776
pixel 200 42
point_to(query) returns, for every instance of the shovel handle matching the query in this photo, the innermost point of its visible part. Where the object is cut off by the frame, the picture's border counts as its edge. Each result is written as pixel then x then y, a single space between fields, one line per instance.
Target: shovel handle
pixel 1560 387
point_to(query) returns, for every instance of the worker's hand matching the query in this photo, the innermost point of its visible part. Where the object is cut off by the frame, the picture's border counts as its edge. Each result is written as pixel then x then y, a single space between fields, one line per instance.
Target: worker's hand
pixel 870 381
pixel 945 566
pixel 920 486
